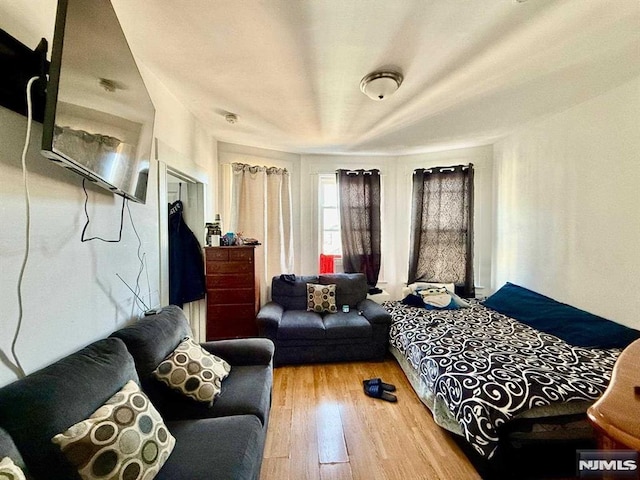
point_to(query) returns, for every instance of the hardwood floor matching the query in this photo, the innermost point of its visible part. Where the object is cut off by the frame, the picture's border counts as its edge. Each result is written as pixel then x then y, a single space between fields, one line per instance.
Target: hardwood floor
pixel 323 427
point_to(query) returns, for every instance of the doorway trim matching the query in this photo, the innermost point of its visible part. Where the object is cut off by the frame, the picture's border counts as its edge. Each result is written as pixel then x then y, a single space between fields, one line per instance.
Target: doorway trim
pixel 194 311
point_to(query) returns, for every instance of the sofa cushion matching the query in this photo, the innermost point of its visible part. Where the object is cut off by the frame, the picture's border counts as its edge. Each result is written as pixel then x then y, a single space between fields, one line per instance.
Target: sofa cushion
pixel 9 449
pixel 300 324
pixel 292 295
pixel 247 390
pixel 351 288
pixel 193 371
pixel 321 298
pixel 124 438
pixel 228 448
pixel 47 402
pixel 346 325
pixel 9 470
pixel 152 338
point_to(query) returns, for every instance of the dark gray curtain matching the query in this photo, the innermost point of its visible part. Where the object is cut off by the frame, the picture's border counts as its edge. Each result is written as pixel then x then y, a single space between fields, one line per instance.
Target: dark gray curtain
pixel 441 248
pixel 359 192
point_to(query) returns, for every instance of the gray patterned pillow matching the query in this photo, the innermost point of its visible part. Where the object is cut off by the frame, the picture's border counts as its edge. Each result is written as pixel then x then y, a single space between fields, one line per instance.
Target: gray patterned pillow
pixel 9 470
pixel 321 298
pixel 125 438
pixel 193 371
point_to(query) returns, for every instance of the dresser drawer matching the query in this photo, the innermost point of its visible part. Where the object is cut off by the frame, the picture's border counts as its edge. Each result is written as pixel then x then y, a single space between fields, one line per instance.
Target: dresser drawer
pixel 229 321
pixel 233 254
pixel 233 296
pixel 229 267
pixel 240 280
pixel 217 254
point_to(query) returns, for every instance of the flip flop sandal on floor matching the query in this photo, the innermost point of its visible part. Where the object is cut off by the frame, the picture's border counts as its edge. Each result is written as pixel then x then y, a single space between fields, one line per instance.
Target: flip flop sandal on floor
pixel 376 391
pixel 377 381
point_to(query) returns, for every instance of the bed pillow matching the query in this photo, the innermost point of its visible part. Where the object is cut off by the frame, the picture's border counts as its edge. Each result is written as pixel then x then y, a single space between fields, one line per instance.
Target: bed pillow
pixel 417 287
pixel 571 324
pixel 415 300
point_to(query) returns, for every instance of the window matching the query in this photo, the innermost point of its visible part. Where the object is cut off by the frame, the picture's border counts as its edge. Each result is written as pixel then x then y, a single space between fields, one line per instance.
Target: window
pixel 442 227
pixel 329 215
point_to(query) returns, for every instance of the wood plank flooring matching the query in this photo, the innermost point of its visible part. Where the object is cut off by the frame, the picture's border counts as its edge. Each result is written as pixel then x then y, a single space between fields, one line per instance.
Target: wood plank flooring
pixel 323 427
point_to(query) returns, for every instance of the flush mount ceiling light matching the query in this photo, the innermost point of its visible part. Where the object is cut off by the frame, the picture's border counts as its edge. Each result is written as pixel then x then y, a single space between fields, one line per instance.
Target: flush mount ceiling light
pixel 379 85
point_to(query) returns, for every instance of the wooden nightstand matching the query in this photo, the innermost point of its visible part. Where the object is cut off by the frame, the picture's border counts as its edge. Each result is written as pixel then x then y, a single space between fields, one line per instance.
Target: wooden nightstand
pixel 616 415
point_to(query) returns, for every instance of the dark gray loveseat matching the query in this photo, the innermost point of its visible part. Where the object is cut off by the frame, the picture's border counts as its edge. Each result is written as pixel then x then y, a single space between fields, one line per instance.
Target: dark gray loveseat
pixel 303 336
pixel 225 441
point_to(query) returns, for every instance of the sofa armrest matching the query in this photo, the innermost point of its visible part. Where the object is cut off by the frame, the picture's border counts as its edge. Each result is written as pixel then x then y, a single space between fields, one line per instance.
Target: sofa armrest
pixel 242 351
pixel 268 319
pixel 374 312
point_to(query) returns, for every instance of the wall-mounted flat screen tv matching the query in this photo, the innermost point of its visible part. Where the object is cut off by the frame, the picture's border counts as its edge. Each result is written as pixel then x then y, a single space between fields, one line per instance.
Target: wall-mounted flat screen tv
pixel 98 116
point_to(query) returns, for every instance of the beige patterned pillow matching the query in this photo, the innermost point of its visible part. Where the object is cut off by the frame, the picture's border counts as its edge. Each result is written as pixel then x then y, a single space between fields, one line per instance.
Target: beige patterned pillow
pixel 193 371
pixel 125 438
pixel 321 298
pixel 9 470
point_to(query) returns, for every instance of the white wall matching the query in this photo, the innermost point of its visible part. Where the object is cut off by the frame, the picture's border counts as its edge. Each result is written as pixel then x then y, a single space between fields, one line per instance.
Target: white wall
pixel 71 294
pixel 567 206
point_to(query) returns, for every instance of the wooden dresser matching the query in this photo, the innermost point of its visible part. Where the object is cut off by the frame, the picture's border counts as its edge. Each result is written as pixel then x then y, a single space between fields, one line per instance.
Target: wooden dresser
pixel 233 296
pixel 616 415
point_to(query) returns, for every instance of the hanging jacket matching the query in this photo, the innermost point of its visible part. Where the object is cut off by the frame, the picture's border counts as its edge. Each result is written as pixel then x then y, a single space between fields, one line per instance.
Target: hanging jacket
pixel 186 264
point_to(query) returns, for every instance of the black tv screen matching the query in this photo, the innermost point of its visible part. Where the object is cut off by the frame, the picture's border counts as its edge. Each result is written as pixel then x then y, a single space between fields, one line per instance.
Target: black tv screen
pixel 98 116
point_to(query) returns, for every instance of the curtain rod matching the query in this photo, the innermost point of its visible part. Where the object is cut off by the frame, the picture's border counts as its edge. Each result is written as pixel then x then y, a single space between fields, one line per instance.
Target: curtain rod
pixel 363 172
pixel 453 168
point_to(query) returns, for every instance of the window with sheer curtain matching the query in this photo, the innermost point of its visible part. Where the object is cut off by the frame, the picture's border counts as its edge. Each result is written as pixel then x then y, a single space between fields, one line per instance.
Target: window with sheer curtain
pixel 260 207
pixel 441 246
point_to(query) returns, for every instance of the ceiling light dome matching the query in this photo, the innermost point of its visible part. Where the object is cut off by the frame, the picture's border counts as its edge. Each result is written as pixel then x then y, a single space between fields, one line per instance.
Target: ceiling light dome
pixel 379 85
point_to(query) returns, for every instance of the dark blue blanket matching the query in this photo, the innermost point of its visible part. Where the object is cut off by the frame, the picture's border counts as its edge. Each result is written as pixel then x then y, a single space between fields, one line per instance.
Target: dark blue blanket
pixel 571 324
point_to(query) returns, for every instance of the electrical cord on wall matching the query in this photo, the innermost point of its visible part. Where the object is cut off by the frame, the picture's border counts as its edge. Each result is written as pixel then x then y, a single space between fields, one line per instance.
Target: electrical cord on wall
pixel 142 259
pixel 16 366
pixel 86 214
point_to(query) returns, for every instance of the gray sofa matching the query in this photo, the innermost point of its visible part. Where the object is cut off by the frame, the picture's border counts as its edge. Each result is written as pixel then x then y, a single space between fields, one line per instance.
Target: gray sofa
pixel 224 441
pixel 301 336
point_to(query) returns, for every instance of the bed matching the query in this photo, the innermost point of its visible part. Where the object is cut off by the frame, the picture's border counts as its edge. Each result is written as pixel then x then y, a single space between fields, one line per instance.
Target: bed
pixel 479 370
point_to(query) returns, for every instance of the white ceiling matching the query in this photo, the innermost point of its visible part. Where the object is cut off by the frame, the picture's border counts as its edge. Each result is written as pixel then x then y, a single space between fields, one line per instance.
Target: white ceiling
pixel 290 69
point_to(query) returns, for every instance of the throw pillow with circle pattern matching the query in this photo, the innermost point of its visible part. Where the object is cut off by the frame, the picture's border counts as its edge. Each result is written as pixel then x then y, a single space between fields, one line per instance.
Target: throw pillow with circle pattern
pixel 321 298
pixel 9 470
pixel 193 371
pixel 126 438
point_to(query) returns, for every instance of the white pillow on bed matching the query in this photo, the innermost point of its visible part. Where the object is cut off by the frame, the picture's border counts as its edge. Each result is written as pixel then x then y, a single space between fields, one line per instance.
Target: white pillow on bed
pixel 412 288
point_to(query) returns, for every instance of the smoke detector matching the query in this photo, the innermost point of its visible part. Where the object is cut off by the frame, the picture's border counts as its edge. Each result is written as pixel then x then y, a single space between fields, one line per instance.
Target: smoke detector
pixel 379 85
pixel 231 118
pixel 108 85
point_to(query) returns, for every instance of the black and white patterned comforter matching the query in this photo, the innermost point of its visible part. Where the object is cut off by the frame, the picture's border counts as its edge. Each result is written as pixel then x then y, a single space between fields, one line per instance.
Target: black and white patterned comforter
pixel 488 368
